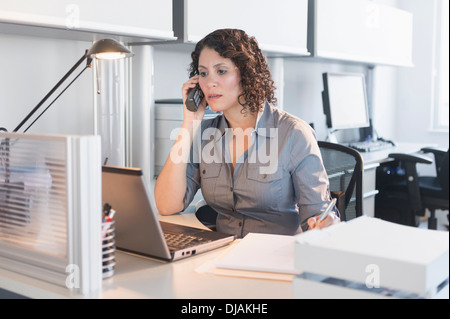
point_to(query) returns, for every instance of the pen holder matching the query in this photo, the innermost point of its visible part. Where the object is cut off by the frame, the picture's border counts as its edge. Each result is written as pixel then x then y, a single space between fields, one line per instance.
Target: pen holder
pixel 108 249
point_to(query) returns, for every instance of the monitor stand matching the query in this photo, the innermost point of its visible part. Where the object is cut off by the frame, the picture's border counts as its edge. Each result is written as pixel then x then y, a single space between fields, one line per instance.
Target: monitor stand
pixel 331 137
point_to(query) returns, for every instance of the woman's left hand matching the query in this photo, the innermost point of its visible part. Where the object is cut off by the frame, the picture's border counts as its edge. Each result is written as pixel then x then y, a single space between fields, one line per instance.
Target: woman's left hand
pixel 331 219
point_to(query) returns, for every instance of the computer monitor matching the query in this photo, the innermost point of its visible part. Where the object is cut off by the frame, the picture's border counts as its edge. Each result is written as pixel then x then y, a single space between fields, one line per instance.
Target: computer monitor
pixel 345 101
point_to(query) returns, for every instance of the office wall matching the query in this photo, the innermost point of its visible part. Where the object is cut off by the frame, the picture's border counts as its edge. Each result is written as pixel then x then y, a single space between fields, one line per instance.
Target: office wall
pixel 171 70
pixel 301 89
pixel 303 86
pixel 32 66
pixel 29 68
pixel 402 96
pixel 401 102
pixel 415 85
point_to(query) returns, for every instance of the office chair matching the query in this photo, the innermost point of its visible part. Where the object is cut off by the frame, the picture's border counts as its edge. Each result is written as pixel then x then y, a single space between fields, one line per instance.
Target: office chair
pixel 207 216
pixel 344 167
pixel 409 194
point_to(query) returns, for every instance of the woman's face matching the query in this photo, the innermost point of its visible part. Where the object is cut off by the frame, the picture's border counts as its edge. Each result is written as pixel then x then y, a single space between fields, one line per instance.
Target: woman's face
pixel 220 81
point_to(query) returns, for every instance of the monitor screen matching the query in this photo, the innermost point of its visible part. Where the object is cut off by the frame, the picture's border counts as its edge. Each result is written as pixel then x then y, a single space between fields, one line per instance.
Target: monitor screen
pixel 345 101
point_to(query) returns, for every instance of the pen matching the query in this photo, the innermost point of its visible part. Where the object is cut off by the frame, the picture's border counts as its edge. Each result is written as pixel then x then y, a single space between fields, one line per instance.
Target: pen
pixel 327 211
pixel 108 213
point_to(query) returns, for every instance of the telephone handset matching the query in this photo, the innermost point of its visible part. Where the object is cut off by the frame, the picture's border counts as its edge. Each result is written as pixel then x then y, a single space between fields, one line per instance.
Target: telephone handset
pixel 194 98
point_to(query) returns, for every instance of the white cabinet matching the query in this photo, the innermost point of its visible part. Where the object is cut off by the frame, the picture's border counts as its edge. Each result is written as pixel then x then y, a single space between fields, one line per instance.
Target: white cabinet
pixel 136 19
pixel 361 31
pixel 369 189
pixel 278 26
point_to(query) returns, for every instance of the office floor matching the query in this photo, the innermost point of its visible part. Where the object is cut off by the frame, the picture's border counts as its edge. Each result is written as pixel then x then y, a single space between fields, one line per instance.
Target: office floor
pixel 442 220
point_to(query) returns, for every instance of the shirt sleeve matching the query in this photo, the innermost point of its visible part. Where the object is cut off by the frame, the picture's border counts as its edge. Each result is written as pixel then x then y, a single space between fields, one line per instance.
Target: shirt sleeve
pixel 309 178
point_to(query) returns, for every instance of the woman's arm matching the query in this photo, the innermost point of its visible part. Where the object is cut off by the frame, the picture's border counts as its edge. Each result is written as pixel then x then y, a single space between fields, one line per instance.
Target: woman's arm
pixel 310 179
pixel 170 187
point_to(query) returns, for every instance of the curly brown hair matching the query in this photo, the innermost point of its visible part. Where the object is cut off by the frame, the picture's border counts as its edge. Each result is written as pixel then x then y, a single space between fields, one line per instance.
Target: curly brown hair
pixel 236 45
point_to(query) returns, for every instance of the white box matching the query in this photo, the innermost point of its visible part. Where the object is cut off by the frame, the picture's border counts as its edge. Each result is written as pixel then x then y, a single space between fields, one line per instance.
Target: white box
pixel 376 254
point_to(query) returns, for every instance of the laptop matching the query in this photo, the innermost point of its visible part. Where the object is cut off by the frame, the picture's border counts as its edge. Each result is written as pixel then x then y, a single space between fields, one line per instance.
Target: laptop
pixel 137 228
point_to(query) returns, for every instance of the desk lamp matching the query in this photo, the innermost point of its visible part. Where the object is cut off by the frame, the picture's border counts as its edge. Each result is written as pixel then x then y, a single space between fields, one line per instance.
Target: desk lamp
pixel 101 49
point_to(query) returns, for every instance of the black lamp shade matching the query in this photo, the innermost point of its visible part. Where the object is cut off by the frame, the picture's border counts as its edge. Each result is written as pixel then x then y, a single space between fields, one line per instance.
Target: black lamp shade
pixel 108 49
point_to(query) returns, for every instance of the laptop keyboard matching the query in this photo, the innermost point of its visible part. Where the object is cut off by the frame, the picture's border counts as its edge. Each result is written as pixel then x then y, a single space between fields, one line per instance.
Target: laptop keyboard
pixel 181 241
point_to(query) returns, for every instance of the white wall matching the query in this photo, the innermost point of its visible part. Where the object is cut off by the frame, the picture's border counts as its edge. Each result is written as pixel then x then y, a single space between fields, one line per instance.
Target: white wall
pixel 385 115
pixel 402 96
pixel 415 85
pixel 171 70
pixel 302 85
pixel 29 68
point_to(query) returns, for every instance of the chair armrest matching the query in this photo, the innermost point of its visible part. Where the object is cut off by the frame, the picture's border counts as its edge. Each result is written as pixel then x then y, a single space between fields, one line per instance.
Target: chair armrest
pixel 340 203
pixel 435 150
pixel 410 158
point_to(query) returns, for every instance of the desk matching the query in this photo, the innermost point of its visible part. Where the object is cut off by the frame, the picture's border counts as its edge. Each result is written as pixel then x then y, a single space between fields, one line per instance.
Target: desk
pixel 382 156
pixel 371 161
pixel 138 277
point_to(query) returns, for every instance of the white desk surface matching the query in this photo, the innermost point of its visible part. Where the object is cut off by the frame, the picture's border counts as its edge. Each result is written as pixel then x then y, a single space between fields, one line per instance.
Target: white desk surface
pixel 139 277
pixel 382 155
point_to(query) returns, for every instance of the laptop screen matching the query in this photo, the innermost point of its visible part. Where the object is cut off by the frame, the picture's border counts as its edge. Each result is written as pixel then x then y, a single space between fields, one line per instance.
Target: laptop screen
pixel 137 226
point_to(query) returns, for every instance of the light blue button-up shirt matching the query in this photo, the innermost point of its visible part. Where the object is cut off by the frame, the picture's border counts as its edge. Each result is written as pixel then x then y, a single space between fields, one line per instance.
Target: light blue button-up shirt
pixel 277 184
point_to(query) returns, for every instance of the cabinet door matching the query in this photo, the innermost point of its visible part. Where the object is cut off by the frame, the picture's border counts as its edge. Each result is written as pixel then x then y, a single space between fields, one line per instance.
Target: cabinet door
pixel 278 26
pixel 149 19
pixel 362 30
pixel 369 189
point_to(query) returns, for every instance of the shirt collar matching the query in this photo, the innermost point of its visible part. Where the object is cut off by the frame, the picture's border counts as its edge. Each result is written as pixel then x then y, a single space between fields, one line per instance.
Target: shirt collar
pixel 264 122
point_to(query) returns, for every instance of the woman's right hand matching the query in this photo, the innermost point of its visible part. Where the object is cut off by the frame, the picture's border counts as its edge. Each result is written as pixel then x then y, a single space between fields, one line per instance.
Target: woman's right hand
pixel 188 116
pixel 169 196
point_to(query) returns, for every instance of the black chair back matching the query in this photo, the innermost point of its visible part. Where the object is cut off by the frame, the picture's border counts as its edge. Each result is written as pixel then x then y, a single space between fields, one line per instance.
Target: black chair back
pixel 344 166
pixel 443 174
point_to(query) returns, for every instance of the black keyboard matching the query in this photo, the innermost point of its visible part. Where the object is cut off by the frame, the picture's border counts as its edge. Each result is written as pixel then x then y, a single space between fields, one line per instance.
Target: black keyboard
pixel 181 241
pixel 371 146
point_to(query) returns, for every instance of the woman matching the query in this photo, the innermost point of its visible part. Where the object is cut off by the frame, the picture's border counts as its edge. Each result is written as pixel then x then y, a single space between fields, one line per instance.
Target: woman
pixel 260 168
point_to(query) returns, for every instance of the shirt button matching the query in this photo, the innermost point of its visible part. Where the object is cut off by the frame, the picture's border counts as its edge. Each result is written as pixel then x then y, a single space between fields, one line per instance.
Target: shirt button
pixel 231 189
pixel 204 171
pixel 240 224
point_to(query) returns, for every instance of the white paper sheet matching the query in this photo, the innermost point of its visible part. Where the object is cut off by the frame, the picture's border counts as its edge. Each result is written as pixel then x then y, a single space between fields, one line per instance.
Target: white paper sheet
pixel 262 252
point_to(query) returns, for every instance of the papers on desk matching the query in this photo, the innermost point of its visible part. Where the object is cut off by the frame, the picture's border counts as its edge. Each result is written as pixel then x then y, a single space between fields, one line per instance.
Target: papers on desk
pixel 262 256
pixel 374 252
pixel 262 252
pixel 362 258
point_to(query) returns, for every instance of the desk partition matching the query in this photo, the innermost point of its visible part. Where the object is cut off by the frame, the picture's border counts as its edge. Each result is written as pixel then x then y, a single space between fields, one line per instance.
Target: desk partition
pixel 50 209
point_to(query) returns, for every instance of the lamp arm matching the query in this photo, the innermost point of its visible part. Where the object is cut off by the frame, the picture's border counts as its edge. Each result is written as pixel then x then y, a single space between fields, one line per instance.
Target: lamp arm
pixel 54 100
pixel 64 78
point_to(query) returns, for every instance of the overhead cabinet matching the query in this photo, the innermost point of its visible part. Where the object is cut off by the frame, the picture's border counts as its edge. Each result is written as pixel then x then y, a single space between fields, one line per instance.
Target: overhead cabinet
pixel 360 30
pixel 352 30
pixel 78 19
pixel 280 27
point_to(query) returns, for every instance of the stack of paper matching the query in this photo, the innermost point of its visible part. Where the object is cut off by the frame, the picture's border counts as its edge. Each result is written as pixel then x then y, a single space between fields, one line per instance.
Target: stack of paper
pixel 377 253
